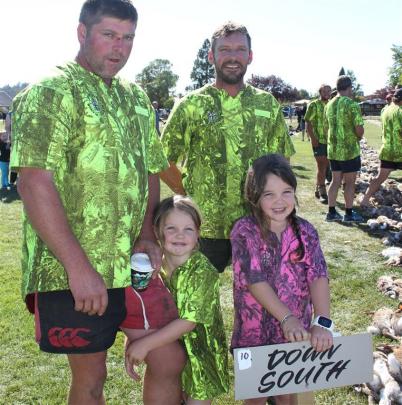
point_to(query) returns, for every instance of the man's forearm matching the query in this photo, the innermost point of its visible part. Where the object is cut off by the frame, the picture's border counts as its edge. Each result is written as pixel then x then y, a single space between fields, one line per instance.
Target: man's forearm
pixel 172 177
pixel 153 200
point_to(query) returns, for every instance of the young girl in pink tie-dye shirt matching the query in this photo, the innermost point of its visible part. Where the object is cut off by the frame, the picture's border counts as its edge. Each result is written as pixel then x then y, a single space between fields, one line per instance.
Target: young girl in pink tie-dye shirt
pixel 280 274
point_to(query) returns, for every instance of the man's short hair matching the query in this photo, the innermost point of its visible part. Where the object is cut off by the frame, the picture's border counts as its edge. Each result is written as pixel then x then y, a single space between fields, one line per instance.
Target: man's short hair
pixel 93 11
pixel 227 29
pixel 398 96
pixel 322 87
pixel 343 83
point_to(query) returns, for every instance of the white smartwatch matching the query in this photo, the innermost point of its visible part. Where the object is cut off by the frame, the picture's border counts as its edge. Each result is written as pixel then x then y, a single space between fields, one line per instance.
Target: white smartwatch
pixel 323 322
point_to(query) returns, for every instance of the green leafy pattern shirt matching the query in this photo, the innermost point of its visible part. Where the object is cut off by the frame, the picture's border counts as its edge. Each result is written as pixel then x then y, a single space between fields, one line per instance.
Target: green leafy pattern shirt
pixel 100 143
pixel 315 115
pixel 216 137
pixel 342 114
pixel 195 289
pixel 391 148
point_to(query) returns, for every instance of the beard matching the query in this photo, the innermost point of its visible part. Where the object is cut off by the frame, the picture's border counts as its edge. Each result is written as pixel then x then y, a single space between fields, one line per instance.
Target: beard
pixel 231 77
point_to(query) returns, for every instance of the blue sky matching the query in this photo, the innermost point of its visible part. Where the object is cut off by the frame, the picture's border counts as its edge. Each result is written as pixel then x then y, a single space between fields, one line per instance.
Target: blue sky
pixel 303 42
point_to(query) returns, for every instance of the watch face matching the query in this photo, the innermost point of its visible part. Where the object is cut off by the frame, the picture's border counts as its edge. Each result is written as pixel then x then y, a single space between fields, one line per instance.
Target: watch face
pixel 325 322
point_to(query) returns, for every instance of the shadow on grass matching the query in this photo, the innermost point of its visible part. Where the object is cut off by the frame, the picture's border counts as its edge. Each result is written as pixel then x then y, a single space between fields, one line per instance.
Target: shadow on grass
pixel 303 168
pixel 8 196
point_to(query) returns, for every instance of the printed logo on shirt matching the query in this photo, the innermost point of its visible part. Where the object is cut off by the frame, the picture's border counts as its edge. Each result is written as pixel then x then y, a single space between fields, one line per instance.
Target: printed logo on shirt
pixel 212 117
pixel 95 106
pixel 67 337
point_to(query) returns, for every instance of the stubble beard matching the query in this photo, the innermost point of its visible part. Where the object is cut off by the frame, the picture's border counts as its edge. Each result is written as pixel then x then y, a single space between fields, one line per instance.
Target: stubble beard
pixel 230 78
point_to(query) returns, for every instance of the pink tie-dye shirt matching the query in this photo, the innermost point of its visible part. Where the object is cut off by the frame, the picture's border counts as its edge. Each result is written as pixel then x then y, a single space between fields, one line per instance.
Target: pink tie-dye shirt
pixel 256 259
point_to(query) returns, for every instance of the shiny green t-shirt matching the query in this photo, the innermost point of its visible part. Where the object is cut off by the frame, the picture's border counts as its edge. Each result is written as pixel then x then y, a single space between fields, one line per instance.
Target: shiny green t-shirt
pixel 195 289
pixel 216 137
pixel 342 114
pixel 391 148
pixel 100 143
pixel 315 115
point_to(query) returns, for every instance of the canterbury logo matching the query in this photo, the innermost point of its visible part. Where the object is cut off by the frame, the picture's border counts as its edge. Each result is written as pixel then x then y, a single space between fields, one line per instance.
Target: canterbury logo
pixel 67 337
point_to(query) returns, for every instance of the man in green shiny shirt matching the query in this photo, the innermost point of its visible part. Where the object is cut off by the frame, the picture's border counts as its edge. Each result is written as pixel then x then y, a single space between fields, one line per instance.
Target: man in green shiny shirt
pixel 344 125
pixel 391 149
pixel 314 118
pixel 217 131
pixel 88 154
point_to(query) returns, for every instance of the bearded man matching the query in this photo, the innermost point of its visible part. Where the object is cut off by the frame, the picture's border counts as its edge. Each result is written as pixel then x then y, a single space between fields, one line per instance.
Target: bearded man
pixel 216 132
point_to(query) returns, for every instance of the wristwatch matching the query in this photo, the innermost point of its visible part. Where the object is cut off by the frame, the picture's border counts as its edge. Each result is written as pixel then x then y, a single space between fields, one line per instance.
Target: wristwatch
pixel 323 322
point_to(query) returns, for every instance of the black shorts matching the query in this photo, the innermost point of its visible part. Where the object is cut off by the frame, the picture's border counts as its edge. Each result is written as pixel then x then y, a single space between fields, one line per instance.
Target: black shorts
pixel 320 150
pixel 218 251
pixel 386 164
pixel 59 328
pixel 346 166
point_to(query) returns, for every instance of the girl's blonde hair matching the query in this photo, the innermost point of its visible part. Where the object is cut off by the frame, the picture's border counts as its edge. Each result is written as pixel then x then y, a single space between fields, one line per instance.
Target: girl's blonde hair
pixel 181 203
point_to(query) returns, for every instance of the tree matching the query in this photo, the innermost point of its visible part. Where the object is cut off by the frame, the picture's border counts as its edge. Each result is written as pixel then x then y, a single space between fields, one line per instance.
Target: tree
pixel 203 71
pixel 395 71
pixel 276 86
pixel 158 80
pixel 380 93
pixel 304 93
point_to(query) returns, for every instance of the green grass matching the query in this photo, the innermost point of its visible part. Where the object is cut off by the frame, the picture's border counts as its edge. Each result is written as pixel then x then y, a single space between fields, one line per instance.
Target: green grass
pixel 28 376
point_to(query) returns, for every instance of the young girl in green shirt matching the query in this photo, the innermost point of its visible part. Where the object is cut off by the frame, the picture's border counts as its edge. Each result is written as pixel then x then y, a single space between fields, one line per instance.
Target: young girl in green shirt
pixel 194 284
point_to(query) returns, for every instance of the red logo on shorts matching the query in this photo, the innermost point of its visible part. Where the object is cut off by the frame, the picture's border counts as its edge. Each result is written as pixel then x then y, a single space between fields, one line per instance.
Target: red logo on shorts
pixel 67 337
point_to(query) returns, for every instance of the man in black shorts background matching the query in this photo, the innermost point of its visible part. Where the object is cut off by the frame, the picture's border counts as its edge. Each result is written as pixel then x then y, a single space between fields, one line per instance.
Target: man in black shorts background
pixel 391 149
pixel 88 154
pixel 344 125
pixel 315 128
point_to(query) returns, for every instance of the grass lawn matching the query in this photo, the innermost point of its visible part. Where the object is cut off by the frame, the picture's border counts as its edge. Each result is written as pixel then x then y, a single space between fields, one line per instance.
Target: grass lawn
pixel 28 376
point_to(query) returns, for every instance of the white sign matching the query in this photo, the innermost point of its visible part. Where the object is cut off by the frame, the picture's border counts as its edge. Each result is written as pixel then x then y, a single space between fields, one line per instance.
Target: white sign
pixel 264 371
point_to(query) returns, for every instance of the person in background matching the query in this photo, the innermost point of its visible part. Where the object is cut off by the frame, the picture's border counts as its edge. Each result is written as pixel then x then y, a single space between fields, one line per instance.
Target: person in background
pixel 217 131
pixel 315 128
pixel 391 149
pixel 155 104
pixel 88 180
pixel 280 276
pixel 344 125
pixel 4 160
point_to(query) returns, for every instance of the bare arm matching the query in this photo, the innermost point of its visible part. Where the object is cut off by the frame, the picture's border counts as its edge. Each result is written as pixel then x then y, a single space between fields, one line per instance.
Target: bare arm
pixel 359 131
pixel 319 291
pixel 310 131
pixel 138 349
pixel 146 241
pixel 172 177
pixel 321 339
pixel 46 213
pixel 266 296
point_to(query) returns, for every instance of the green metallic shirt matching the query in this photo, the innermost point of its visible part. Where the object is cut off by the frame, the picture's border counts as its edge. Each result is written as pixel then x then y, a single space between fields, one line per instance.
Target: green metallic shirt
pixel 100 143
pixel 391 148
pixel 342 115
pixel 315 115
pixel 195 289
pixel 216 137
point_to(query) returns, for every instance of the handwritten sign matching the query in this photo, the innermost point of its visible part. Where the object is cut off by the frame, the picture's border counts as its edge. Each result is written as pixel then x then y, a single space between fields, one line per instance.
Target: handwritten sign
pixel 264 371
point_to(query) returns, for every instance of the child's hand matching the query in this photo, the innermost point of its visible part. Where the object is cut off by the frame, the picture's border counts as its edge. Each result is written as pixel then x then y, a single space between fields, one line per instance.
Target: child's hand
pixel 135 354
pixel 321 339
pixel 294 331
